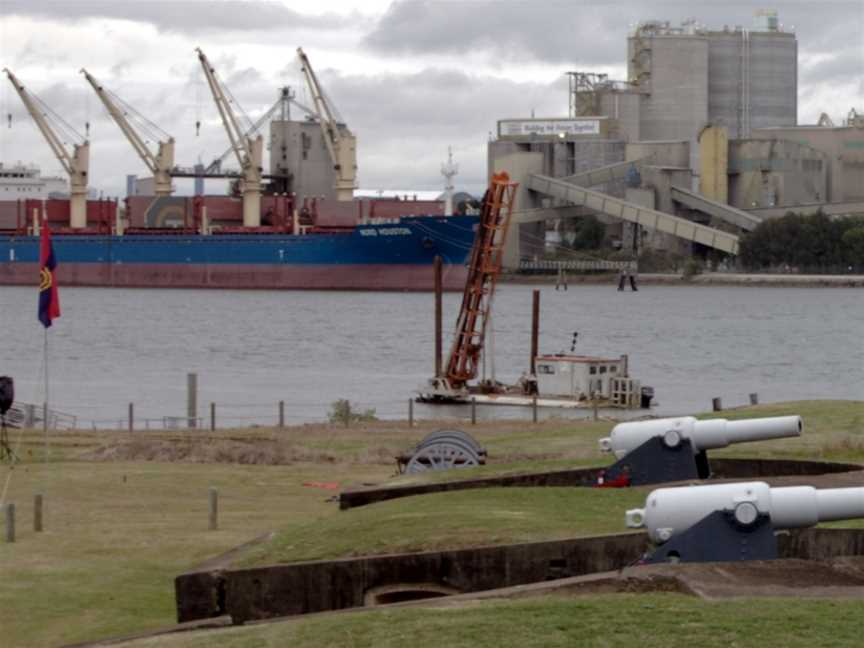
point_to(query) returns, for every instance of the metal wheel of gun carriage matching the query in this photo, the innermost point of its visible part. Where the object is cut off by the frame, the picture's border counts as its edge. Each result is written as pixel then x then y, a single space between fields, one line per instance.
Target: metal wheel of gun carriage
pixel 443 450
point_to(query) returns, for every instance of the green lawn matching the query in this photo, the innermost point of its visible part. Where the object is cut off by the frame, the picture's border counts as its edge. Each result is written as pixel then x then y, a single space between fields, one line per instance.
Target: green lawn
pixel 118 532
pixel 626 620
pixel 454 520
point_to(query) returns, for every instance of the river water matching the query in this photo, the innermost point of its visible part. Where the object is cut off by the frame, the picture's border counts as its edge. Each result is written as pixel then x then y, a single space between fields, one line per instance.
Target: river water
pixel 254 348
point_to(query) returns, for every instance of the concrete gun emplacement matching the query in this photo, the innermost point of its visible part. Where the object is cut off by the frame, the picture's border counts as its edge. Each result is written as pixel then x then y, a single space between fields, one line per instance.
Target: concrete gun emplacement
pixel 675 449
pixel 723 522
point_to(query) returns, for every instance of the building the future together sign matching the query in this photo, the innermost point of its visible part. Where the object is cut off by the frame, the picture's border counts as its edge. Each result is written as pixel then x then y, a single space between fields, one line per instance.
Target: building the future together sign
pixel 547 127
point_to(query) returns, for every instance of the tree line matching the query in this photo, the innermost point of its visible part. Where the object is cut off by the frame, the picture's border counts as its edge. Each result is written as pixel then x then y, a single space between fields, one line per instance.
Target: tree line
pixel 814 243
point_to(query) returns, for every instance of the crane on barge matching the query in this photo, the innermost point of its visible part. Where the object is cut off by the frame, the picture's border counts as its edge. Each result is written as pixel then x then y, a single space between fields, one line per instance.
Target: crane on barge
pixel 248 149
pixel 76 163
pixel 341 143
pixel 484 267
pixel 162 162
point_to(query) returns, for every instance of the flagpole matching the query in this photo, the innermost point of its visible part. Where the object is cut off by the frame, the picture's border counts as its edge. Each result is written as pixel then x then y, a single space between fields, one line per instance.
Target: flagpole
pixel 45 402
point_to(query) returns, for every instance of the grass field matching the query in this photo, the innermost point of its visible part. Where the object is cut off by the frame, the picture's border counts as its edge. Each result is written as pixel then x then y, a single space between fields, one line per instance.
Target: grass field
pixel 626 620
pixel 125 514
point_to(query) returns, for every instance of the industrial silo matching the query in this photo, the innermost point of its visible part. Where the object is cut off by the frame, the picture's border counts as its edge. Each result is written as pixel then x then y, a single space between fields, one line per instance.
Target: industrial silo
pixel 690 76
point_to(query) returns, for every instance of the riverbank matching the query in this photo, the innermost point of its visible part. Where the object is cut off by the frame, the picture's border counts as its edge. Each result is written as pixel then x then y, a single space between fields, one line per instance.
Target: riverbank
pixel 706 279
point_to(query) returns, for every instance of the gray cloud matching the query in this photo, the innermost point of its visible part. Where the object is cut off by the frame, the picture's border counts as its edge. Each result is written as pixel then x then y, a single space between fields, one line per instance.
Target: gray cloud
pixel 189 16
pixel 413 118
pixel 547 31
pixel 578 34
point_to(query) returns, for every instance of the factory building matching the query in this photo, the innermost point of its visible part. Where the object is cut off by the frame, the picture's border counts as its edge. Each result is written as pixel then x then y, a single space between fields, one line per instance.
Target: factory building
pixel 841 148
pixel 689 76
pixel 556 147
pixel 706 119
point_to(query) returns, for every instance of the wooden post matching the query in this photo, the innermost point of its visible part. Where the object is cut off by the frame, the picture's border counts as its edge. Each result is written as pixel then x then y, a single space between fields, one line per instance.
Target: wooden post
pixel 212 417
pixel 281 414
pixel 438 316
pixel 30 416
pixel 594 406
pixel 192 399
pixel 534 410
pixel 37 512
pixel 411 411
pixel 10 522
pixel 473 411
pixel 535 330
pixel 214 508
pixel 754 399
pixel 131 418
pixel 717 404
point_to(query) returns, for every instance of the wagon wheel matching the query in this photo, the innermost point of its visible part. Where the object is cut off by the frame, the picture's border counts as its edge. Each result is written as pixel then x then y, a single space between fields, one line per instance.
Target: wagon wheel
pixel 457 436
pixel 442 455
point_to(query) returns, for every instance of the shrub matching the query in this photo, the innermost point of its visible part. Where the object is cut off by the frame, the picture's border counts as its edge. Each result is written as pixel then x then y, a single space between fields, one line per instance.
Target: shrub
pixel 342 412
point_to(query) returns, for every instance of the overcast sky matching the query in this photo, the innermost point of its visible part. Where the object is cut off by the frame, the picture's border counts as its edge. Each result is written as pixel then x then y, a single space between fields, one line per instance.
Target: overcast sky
pixel 410 78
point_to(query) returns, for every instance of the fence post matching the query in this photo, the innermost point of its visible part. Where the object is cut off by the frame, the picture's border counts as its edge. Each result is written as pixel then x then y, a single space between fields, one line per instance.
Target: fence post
pixel 214 508
pixel 281 414
pixel 131 418
pixel 534 410
pixel 192 400
pixel 594 406
pixel 30 416
pixel 10 522
pixel 717 404
pixel 410 412
pixel 754 399
pixel 473 411
pixel 212 417
pixel 37 512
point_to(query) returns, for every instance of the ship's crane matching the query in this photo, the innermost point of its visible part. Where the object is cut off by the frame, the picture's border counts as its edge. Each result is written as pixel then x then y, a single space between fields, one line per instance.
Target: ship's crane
pixel 483 269
pixel 75 164
pixel 282 109
pixel 162 162
pixel 248 150
pixel 341 143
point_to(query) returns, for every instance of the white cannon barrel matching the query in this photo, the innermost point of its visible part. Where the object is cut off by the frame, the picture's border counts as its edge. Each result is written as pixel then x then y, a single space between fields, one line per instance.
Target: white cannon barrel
pixel 670 511
pixel 703 435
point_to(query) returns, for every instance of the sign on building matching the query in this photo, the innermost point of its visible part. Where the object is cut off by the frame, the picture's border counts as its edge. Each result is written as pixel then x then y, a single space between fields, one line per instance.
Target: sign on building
pixel 547 127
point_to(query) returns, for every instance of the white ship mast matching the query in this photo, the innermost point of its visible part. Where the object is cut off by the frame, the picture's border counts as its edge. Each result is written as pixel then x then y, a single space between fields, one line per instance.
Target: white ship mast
pixel 449 170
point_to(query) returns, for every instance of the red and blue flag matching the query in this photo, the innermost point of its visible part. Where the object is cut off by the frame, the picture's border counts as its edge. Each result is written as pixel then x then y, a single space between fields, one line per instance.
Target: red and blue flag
pixel 49 297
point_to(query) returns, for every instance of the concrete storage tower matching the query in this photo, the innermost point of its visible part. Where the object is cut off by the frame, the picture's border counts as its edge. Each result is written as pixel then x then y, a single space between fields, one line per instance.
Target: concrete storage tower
pixel 690 76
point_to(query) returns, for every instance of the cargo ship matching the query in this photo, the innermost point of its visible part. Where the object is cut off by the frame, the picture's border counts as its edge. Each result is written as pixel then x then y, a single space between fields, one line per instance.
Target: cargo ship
pixel 381 254
pixel 300 226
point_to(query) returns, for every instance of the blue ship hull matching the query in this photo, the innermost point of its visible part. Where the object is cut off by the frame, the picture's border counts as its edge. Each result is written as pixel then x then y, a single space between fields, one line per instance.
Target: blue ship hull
pixel 393 256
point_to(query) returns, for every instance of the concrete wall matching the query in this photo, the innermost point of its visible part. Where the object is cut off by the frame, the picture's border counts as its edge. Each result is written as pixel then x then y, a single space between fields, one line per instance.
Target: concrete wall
pixel 676 106
pixel 844 148
pixel 560 157
pixel 769 173
pixel 552 158
pixel 624 108
pixel 303 588
pixel 525 239
pixel 320 586
pixel 663 152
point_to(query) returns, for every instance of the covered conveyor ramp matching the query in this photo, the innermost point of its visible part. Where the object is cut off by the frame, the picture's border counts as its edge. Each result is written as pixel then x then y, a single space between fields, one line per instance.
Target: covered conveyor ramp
pixel 605 174
pixel 648 218
pixel 726 213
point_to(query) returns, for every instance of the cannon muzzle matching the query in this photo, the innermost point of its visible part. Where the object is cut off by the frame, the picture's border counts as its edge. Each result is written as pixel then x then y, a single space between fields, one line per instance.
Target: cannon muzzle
pixel 703 435
pixel 669 512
